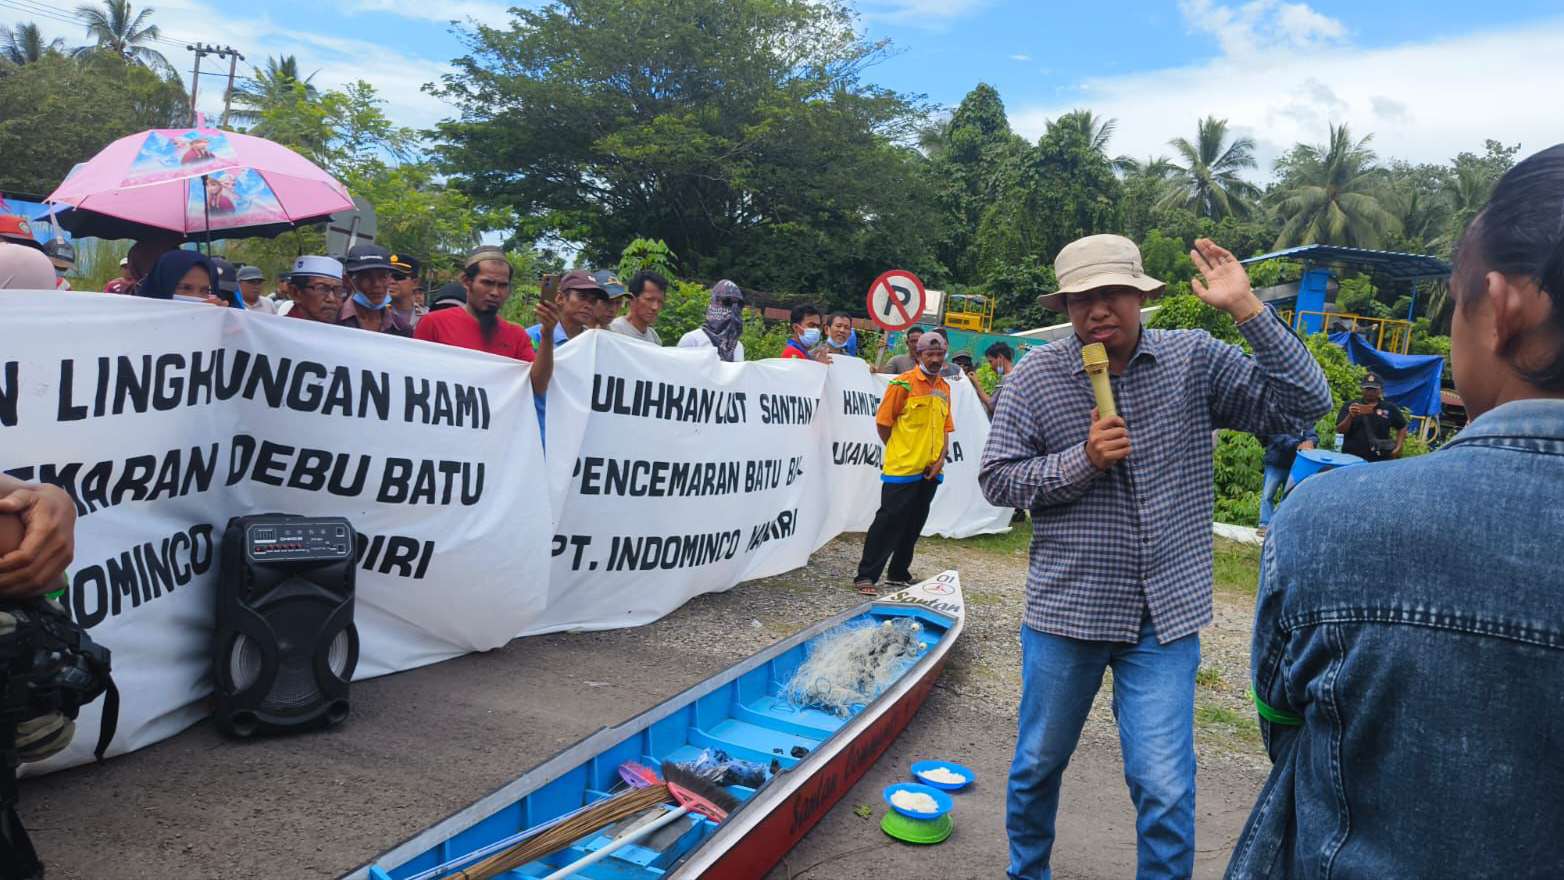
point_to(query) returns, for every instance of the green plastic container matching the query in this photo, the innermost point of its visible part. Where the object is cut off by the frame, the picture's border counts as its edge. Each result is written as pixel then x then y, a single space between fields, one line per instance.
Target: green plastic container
pixel 919 831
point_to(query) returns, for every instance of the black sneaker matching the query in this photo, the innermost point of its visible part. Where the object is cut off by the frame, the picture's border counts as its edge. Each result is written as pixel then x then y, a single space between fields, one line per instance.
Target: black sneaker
pixel 900 582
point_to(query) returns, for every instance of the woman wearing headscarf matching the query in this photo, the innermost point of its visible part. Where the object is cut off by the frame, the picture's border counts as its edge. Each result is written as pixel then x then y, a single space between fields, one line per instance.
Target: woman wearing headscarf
pixel 24 268
pixel 724 324
pixel 181 273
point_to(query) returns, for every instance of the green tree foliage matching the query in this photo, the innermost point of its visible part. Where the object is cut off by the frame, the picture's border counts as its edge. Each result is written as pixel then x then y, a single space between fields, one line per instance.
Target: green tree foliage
pixel 684 309
pixel 712 136
pixel 647 255
pixel 968 156
pixel 1332 193
pixel 117 29
pixel 271 86
pixel 1209 182
pixel 1238 475
pixel 1188 312
pixel 416 214
pixel 25 44
pixel 1166 259
pixel 58 111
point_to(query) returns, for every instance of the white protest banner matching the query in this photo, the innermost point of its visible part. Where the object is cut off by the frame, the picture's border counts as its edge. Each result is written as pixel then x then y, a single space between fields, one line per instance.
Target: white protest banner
pixel 852 399
pixel 691 475
pixel 163 420
pixel 670 474
pixel 677 475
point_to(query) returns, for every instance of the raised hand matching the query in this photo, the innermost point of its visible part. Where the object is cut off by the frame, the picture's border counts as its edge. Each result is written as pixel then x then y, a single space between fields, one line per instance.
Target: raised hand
pixel 1225 284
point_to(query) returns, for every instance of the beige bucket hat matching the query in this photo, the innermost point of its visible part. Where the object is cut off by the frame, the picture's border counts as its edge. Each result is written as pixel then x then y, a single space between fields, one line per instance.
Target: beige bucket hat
pixel 1098 261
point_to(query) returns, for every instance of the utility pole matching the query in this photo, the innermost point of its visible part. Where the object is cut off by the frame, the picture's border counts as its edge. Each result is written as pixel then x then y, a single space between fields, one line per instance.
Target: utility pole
pixel 233 62
pixel 195 77
pixel 201 50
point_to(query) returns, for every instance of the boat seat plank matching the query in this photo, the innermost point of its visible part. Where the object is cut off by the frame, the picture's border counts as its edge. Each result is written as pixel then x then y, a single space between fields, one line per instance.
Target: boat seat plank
pixel 752 742
pixel 779 714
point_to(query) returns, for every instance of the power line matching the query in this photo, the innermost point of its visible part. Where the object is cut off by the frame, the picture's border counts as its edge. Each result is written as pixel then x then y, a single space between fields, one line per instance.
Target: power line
pixel 35 8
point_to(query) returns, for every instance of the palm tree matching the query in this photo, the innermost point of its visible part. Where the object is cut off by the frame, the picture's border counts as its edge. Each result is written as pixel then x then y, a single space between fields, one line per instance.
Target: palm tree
pixel 269 87
pixel 1208 182
pixel 1154 167
pixel 1093 128
pixel 1333 195
pixel 25 44
pixel 116 29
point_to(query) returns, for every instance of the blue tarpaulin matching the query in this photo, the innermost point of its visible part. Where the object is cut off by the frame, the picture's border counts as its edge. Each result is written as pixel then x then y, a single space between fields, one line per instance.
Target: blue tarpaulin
pixel 1411 380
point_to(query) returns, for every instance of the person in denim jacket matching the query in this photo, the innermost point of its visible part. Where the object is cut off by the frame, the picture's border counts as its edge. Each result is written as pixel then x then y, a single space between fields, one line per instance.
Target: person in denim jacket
pixel 1408 654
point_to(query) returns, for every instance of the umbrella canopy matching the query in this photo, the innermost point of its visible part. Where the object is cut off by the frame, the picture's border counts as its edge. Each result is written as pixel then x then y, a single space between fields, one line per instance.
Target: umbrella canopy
pixel 195 182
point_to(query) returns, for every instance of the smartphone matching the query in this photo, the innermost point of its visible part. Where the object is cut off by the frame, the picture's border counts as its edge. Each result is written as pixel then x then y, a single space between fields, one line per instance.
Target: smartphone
pixel 548 287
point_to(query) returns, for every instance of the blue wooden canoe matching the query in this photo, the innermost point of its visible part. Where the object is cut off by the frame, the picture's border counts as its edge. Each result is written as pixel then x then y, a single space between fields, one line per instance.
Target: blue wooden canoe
pixel 739 711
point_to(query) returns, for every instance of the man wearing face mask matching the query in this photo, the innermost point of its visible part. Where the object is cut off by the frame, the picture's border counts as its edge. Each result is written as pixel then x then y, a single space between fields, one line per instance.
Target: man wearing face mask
pixel 368 308
pixel 806 333
pixel 1001 359
pixel 914 423
pixel 839 335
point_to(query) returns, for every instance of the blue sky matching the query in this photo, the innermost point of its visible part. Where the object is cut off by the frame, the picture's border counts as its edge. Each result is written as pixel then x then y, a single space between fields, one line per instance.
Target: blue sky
pixel 1427 77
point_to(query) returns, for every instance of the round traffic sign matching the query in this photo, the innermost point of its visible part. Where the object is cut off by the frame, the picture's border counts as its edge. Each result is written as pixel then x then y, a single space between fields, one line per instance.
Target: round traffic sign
pixel 896 299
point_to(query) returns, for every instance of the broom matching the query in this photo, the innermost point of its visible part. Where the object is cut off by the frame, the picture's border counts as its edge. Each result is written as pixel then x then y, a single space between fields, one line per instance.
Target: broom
pixel 598 816
pixel 695 794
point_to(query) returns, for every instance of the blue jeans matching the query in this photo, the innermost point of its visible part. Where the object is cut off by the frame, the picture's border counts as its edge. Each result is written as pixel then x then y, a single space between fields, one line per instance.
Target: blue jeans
pixel 1153 700
pixel 1275 479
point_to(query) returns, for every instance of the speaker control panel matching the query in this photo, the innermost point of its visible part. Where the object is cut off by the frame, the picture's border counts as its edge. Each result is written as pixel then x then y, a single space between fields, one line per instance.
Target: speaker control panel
pixel 306 539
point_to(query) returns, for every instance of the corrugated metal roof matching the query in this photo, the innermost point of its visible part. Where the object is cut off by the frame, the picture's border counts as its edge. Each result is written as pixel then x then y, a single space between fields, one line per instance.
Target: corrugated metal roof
pixel 1391 264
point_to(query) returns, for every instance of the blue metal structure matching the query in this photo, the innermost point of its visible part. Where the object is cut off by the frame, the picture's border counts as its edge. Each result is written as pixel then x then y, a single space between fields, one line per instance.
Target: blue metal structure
pixel 1389 269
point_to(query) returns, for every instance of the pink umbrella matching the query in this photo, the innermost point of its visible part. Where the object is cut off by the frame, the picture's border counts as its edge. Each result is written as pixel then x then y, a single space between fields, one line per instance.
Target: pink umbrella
pixel 196 181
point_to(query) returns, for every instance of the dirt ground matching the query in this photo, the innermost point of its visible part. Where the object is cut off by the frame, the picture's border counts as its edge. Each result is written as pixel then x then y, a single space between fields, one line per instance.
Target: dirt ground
pixel 424 743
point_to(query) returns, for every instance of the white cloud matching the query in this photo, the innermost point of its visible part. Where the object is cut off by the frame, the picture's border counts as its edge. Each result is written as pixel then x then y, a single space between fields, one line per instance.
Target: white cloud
pixel 1020 56
pixel 1423 102
pixel 1261 26
pixel 335 61
pixel 496 14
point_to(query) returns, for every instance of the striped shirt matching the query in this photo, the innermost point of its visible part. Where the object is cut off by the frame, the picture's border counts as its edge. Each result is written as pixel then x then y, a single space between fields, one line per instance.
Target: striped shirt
pixel 1107 548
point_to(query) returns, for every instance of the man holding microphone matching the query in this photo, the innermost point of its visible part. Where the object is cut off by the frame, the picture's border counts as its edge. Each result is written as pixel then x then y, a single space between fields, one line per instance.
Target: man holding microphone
pixel 1120 568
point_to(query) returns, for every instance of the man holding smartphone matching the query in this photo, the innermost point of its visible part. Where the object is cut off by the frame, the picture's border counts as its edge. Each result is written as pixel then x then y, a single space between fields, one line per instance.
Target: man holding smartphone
pixel 1366 424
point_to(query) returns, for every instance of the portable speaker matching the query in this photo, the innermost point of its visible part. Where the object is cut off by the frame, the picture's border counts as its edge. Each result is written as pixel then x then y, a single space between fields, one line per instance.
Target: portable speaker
pixel 286 645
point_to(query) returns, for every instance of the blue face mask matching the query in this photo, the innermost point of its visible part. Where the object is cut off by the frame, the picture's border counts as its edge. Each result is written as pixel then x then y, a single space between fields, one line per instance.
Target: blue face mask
pixel 811 337
pixel 363 301
pixel 834 344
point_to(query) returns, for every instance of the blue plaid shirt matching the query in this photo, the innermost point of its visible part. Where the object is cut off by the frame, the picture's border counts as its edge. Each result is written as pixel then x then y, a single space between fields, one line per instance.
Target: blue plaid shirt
pixel 1107 547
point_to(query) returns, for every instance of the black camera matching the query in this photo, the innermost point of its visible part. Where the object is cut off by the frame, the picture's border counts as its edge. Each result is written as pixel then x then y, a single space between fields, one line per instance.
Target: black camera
pixel 49 669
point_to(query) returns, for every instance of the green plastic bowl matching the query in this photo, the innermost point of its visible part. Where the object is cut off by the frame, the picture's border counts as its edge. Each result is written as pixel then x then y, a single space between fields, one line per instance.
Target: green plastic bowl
pixel 920 831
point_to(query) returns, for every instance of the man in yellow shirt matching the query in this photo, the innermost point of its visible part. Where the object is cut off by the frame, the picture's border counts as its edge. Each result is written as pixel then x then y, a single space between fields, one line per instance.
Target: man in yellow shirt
pixel 914 423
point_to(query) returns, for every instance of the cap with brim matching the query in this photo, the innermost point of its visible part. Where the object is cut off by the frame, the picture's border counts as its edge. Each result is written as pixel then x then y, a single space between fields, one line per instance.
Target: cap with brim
pixel 225 271
pixel 931 341
pixel 317 267
pixel 17 230
pixel 1097 262
pixel 250 273
pixel 1372 381
pixel 404 264
pixel 452 294
pixel 364 257
pixel 610 284
pixel 582 280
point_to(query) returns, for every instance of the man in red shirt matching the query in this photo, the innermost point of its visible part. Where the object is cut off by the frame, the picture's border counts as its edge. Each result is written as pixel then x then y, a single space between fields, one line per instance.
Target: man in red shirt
pixel 478 325
pixel 806 335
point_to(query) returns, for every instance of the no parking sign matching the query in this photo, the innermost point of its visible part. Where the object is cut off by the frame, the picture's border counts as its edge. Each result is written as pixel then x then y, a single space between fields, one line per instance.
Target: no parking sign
pixel 896 299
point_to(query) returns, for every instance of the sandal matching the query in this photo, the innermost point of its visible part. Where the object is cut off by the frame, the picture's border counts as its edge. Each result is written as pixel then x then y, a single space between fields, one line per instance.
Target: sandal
pixel 865 588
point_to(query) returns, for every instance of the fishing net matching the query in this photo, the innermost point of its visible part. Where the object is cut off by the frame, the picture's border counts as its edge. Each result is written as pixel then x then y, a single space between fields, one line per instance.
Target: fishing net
pixel 851 665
